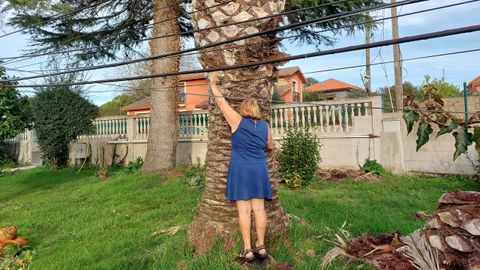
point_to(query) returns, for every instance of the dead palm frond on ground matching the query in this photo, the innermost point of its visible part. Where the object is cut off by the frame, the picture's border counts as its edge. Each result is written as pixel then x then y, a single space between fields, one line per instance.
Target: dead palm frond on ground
pixel 420 253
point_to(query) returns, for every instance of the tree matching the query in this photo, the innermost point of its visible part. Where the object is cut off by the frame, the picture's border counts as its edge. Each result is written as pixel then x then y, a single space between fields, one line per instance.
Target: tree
pixel 60 115
pixel 444 88
pixel 216 216
pixel 276 97
pixel 389 98
pixel 162 147
pixel 95 25
pixel 310 81
pixel 15 110
pixel 114 106
pixel 309 96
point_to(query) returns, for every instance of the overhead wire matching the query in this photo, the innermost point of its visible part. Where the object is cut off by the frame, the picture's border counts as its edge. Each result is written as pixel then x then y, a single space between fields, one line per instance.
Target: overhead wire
pixel 352 25
pixel 383 19
pixel 227 41
pixel 305 73
pixel 407 39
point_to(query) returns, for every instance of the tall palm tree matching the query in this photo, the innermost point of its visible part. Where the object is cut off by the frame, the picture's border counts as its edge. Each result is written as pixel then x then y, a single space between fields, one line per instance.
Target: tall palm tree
pixel 216 215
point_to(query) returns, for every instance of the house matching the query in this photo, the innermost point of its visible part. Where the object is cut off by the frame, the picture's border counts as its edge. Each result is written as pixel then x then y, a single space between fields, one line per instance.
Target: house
pixel 194 91
pixel 474 85
pixel 290 84
pixel 333 89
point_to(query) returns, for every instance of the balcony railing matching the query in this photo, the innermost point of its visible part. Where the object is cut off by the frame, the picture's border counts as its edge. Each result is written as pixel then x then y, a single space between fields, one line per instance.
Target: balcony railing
pixel 327 117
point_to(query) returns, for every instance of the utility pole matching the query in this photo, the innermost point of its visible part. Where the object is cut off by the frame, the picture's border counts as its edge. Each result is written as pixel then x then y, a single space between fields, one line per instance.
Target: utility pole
pixel 368 77
pixel 396 59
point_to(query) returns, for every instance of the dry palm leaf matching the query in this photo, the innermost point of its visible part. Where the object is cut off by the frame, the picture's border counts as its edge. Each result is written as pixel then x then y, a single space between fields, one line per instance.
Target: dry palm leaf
pixel 170 231
pixel 421 255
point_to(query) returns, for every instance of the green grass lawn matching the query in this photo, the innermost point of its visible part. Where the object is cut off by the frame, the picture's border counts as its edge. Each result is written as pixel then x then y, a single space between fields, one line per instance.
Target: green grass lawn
pixel 75 221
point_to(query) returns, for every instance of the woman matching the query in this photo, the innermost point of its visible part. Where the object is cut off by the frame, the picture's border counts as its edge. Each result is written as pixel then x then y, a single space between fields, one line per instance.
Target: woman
pixel 248 182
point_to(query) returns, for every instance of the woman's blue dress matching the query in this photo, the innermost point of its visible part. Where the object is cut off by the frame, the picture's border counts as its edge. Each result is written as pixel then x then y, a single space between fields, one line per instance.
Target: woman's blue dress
pixel 248 172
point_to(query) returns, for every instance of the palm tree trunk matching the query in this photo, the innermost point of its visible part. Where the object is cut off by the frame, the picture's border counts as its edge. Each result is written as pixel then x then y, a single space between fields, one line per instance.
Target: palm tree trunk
pixel 216 216
pixel 162 139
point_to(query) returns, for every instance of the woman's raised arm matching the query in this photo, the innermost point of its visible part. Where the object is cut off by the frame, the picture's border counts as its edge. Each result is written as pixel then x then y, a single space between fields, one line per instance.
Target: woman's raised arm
pixel 233 118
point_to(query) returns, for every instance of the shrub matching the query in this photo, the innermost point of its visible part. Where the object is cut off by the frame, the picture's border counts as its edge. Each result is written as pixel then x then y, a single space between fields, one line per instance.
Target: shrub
pixel 5 157
pixel 299 157
pixel 374 167
pixel 135 166
pixel 60 115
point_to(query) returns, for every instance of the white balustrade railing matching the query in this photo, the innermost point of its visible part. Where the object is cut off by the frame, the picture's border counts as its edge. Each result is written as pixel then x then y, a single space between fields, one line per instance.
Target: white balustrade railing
pixel 319 117
pixel 142 126
pixel 22 137
pixel 327 117
pixel 193 124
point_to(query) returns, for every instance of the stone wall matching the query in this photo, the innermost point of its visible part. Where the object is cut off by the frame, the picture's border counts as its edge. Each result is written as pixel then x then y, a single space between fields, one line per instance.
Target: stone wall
pixel 457 104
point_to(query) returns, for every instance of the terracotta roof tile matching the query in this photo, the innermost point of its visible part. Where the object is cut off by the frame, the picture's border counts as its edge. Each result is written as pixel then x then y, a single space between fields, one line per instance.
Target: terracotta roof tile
pixel 474 84
pixel 331 85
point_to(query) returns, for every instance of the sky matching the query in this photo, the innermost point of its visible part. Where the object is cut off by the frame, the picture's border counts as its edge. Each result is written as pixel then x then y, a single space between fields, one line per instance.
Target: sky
pixel 456 68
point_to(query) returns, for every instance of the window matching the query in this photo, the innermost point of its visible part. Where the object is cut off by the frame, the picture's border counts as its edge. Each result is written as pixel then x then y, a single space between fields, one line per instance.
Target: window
pixel 296 94
pixel 183 94
pixel 330 96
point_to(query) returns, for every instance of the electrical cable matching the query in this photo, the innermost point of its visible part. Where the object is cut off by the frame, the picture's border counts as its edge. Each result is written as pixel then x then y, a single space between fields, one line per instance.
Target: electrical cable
pixel 430 35
pixel 269 31
pixel 320 31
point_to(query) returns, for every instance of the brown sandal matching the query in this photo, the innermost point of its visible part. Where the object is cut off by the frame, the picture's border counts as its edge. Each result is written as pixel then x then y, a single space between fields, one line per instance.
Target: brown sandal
pixel 261 256
pixel 242 257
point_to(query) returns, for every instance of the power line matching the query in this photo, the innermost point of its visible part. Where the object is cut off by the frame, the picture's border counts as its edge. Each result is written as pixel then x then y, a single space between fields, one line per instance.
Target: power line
pixel 320 31
pixel 450 32
pixel 319 71
pixel 188 32
pixel 260 33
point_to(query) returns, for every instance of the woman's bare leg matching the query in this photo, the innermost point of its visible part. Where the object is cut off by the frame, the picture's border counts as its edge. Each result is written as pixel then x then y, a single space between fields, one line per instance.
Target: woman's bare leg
pixel 258 207
pixel 244 216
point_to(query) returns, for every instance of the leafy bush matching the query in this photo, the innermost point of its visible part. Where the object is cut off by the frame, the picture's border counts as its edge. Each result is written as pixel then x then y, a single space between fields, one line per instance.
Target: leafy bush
pixel 309 96
pixel 374 167
pixel 5 157
pixel 135 166
pixel 60 115
pixel 299 157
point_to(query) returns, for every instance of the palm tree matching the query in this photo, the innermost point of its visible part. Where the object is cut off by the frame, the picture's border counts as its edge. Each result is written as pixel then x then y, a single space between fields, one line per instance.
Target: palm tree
pixel 216 215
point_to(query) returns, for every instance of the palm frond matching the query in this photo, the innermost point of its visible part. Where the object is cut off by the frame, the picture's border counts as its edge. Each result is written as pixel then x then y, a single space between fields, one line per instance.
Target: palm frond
pixel 420 253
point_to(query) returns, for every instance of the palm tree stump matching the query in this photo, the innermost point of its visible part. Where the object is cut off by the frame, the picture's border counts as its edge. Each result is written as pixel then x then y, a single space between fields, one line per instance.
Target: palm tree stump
pixel 449 240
